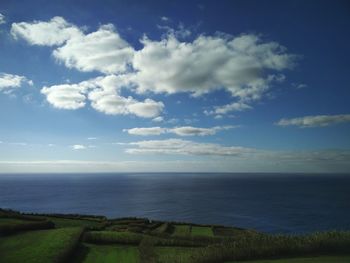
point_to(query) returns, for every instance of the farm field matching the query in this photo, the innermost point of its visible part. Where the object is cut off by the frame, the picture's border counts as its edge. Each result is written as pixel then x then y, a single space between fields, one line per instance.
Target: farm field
pixel 108 254
pixel 39 246
pixel 202 231
pixel 82 239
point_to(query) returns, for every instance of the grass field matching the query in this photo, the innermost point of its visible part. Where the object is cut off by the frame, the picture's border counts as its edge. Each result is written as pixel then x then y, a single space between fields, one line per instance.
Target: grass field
pixel 182 230
pixel 104 237
pixel 39 246
pixel 129 240
pixel 12 221
pixel 337 259
pixel 110 254
pixel 161 229
pixel 202 231
pixel 174 254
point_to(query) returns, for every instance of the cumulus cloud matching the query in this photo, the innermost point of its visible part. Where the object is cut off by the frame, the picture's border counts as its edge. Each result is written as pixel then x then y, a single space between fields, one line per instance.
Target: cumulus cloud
pixel 186 147
pixel 236 64
pixel 69 97
pixel 2 19
pixel 103 93
pixel 8 81
pixel 78 147
pixel 51 33
pixel 315 121
pixel 103 50
pixel 181 131
pixel 246 66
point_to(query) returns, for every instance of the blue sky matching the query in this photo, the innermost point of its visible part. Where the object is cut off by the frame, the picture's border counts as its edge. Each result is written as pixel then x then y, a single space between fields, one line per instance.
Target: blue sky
pixel 124 86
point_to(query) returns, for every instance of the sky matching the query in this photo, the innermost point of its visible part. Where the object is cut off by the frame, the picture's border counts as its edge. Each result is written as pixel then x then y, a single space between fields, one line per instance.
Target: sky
pixel 174 86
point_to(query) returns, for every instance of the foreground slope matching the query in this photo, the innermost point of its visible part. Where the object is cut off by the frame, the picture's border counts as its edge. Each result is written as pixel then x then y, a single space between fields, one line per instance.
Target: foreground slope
pixel 88 238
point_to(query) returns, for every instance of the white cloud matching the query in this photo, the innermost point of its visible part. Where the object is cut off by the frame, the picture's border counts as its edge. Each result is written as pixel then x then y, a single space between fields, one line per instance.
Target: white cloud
pixel 115 104
pixel 245 65
pixel 197 131
pixel 146 131
pixel 8 81
pixel 103 50
pixel 315 121
pixel 158 119
pixel 164 18
pixel 92 138
pixel 69 97
pixel 301 86
pixel 51 33
pixel 19 143
pixel 232 107
pixel 186 147
pixel 78 147
pixel 103 92
pixel 181 131
pixel 209 63
pixel 2 19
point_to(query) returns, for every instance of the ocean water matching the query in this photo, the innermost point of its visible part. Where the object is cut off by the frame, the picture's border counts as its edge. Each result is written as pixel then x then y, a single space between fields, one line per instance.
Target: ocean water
pixel 275 203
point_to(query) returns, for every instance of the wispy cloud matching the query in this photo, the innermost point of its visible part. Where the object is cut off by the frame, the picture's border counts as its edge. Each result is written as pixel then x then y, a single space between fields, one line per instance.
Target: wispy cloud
pixel 186 147
pixel 2 19
pixel 181 131
pixel 315 121
pixel 78 147
pixel 10 81
pixel 232 107
pixel 164 18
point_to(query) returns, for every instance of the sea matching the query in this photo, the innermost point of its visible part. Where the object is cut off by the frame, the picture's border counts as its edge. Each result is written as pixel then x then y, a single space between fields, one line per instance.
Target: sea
pixel 272 203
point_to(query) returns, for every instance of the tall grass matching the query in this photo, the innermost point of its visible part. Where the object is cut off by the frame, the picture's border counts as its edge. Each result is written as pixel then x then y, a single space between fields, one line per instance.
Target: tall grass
pixel 275 246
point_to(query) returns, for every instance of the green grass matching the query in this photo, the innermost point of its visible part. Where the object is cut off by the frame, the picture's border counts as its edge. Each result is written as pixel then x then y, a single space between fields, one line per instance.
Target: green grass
pixel 110 254
pixel 39 246
pixel 174 254
pixel 161 229
pixel 105 237
pixel 325 259
pixel 202 231
pixel 12 221
pixel 67 222
pixel 182 230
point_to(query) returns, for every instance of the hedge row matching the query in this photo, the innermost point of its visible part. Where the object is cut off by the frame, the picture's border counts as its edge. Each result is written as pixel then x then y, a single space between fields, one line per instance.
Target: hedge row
pixel 8 229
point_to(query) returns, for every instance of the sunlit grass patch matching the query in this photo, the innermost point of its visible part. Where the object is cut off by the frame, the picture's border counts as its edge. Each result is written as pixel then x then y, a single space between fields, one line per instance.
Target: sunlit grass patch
pixel 202 231
pixel 111 254
pixel 182 230
pixel 174 254
pixel 39 246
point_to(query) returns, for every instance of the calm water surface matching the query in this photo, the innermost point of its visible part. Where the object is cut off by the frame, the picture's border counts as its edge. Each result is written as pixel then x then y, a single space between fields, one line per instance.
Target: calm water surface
pixel 272 203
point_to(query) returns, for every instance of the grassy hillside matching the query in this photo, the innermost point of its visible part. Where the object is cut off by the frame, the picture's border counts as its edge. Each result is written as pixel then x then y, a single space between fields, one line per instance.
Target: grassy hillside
pixel 40 246
pixel 81 239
